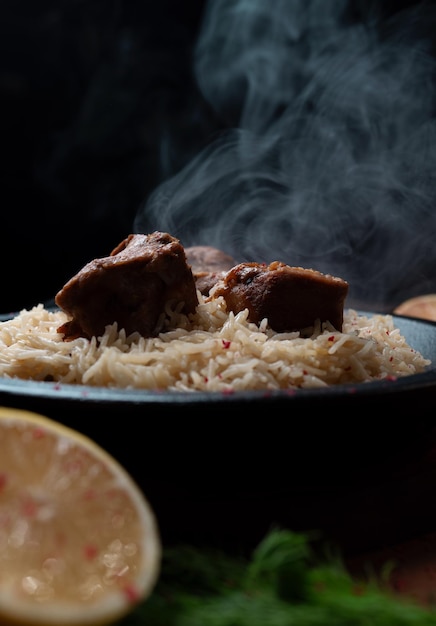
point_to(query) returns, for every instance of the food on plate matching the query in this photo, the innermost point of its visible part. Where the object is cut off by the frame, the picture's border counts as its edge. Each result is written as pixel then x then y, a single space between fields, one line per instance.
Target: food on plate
pixel 134 285
pixel 208 265
pixel 211 350
pixel 291 298
pixel 79 542
pixel 423 307
pixel 131 287
pixel 136 319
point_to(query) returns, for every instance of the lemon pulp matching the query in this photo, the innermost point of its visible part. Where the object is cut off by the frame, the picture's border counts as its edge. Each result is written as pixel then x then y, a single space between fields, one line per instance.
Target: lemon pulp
pixel 79 542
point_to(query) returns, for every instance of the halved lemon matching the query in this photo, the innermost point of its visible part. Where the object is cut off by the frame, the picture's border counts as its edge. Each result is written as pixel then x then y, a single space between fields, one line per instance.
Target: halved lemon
pixel 79 542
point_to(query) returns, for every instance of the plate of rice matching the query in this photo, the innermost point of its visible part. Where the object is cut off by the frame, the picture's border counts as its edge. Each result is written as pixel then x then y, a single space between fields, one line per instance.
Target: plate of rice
pixel 216 407
pixel 215 356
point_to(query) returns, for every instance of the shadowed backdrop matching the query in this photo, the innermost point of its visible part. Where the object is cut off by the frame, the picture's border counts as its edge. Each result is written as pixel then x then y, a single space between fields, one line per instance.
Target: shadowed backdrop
pixel 301 131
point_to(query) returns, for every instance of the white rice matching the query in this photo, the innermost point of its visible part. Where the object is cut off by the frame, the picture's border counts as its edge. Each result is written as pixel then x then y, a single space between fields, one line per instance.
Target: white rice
pixel 211 350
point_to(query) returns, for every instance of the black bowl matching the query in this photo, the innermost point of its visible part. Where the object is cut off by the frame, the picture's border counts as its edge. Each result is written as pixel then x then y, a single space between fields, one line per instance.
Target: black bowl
pixel 227 467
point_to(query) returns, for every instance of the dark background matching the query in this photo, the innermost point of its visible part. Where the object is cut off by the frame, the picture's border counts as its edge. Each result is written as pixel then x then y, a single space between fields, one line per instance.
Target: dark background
pixel 86 89
pixel 99 106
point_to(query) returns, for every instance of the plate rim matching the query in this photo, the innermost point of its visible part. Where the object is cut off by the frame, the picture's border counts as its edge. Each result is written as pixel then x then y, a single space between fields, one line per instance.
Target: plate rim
pixel 52 390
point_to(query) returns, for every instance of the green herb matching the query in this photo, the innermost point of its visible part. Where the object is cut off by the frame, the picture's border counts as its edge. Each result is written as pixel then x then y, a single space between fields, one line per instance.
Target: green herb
pixel 282 584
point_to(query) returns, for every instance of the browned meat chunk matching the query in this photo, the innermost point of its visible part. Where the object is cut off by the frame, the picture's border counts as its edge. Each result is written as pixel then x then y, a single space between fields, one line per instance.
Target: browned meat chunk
pixel 292 298
pixel 208 265
pixel 130 287
pixel 208 259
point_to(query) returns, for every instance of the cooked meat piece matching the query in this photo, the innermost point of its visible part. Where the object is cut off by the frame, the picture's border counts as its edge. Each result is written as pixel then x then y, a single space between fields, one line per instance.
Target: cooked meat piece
pixel 292 298
pixel 204 281
pixel 208 265
pixel 130 287
pixel 208 259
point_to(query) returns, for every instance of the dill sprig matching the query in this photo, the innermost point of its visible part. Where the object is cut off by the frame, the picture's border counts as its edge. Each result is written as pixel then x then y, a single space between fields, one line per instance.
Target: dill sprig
pixel 282 584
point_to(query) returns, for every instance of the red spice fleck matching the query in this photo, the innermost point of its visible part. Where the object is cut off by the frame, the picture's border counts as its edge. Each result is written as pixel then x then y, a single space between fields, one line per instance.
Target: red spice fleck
pixel 5 519
pixel 113 492
pixel 29 508
pixel 391 378
pixel 331 338
pixel 131 593
pixel 3 481
pixel 90 552
pixel 391 359
pixel 38 433
pixel 387 332
pixel 205 379
pixel 305 372
pixel 74 466
pixel 228 391
pixel 90 494
pixel 226 344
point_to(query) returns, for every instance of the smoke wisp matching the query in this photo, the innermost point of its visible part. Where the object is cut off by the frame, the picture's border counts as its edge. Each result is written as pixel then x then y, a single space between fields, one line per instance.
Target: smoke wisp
pixel 326 153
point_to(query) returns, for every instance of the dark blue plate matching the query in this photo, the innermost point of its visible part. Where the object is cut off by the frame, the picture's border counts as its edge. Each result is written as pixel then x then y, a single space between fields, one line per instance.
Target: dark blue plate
pixel 230 466
pixel 420 334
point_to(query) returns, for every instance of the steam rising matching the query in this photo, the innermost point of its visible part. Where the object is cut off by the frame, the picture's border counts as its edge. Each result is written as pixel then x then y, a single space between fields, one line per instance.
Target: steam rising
pixel 327 152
